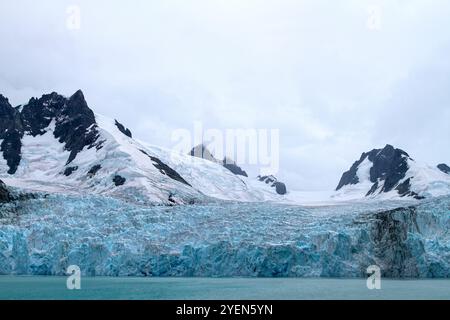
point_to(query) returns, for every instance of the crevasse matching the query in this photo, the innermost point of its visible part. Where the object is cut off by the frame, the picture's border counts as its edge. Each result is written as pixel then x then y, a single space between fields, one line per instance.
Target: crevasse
pixel 108 237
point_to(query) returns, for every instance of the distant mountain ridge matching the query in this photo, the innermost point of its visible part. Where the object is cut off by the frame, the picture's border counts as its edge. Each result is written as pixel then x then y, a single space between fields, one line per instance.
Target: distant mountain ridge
pixel 58 144
pixel 392 170
pixel 202 151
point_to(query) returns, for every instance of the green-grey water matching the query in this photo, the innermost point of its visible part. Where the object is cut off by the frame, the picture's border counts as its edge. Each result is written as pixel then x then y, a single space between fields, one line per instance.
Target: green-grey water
pixel 34 287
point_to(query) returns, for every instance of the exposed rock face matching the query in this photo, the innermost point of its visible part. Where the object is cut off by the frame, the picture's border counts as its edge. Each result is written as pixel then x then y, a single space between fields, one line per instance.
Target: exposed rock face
pixel 390 235
pixel 69 170
pixel 201 151
pixel 76 126
pixel 388 167
pixel 39 113
pixel 11 132
pixel 5 195
pixel 93 171
pixel 280 187
pixel 122 129
pixel 444 168
pixel 119 180
pixel 233 167
pixel 74 123
pixel 165 169
pixel 404 189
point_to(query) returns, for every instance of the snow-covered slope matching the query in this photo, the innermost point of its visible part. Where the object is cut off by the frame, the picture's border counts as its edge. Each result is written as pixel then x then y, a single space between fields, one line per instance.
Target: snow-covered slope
pixel 56 144
pixel 391 173
pixel 54 159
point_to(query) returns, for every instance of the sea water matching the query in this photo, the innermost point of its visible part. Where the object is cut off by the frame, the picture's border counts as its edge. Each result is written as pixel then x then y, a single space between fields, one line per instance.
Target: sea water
pixel 120 288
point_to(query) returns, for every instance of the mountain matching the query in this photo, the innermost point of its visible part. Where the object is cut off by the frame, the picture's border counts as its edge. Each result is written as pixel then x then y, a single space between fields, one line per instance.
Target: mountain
pixel 392 172
pixel 201 151
pixel 75 188
pixel 57 144
pixel 444 168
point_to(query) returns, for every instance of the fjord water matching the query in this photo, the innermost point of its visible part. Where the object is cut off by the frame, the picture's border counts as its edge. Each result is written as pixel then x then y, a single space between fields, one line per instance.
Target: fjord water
pixel 35 287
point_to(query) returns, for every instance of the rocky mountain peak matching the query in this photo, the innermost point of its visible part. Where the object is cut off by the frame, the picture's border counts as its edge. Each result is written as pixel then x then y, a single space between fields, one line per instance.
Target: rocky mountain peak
pixel 387 168
pixel 4 103
pixel 77 105
pixel 74 124
pixel 201 151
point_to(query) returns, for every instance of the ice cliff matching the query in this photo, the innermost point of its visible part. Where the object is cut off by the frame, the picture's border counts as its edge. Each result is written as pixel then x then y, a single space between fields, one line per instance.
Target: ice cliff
pixel 106 236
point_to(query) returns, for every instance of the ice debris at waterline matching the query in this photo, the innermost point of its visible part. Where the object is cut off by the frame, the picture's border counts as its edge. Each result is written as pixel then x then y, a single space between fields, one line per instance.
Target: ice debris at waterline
pixel 105 236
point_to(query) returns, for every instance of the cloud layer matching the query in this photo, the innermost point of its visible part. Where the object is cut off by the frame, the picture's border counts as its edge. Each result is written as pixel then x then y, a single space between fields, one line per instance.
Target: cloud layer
pixel 316 70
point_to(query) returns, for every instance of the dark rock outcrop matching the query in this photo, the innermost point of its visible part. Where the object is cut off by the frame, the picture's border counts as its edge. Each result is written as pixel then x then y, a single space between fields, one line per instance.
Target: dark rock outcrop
pixel 390 231
pixel 93 171
pixel 74 122
pixel 444 168
pixel 37 114
pixel 280 187
pixel 69 170
pixel 165 169
pixel 122 129
pixel 76 126
pixel 201 151
pixel 389 167
pixel 5 195
pixel 404 190
pixel 11 132
pixel 119 180
pixel 233 167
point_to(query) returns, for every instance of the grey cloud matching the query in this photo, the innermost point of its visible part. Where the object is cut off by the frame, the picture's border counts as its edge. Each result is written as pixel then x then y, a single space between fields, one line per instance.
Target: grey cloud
pixel 313 69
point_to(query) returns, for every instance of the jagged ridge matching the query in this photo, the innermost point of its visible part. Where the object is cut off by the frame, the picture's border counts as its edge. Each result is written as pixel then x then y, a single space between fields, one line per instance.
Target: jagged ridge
pixel 54 143
pixel 390 170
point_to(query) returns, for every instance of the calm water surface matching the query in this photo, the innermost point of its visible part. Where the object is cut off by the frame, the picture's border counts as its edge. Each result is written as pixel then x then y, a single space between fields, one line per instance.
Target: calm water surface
pixel 33 287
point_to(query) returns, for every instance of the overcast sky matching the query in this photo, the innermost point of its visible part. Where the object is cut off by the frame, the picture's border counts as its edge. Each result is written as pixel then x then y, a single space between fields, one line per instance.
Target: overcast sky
pixel 335 77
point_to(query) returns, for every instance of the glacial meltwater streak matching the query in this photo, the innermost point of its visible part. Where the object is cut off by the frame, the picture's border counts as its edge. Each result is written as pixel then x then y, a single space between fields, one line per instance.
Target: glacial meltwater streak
pixel 35 287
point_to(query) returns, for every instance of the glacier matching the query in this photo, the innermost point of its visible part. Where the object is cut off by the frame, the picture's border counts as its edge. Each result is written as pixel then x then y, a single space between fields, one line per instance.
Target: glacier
pixel 107 236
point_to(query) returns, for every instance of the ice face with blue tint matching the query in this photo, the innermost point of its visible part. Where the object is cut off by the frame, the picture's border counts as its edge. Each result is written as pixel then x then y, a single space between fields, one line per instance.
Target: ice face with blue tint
pixel 106 236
